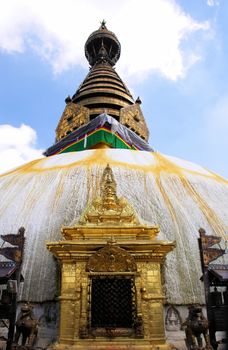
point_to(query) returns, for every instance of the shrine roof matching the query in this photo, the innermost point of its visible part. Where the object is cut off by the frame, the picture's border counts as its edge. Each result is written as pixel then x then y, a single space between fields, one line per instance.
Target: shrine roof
pixel 219 271
pixel 7 269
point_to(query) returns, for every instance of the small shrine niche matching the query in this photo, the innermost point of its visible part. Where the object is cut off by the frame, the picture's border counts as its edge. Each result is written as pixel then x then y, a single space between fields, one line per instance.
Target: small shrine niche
pixel 111 280
pixel 172 319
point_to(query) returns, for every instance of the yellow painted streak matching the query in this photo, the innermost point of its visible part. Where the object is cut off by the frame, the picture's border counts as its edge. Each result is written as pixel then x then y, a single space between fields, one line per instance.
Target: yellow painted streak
pixel 166 165
pixel 175 221
pixel 89 185
pixel 218 177
pixel 25 168
pixel 101 157
pixel 159 164
pixel 162 164
pixel 166 198
pixel 59 189
pixel 210 215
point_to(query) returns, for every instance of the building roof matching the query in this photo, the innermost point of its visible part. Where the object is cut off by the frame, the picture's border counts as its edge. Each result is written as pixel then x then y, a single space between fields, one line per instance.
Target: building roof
pixel 7 271
pixel 219 272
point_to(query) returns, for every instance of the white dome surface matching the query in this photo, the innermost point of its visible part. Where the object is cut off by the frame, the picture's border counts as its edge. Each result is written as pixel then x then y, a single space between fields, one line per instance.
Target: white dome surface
pixel 177 195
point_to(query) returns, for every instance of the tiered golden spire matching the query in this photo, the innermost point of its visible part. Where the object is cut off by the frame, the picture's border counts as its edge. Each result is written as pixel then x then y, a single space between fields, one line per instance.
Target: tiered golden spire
pixel 102 90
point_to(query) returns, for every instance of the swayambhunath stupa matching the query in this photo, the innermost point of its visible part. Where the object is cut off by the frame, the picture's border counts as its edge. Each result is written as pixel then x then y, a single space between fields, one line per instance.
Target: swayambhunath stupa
pixel 111 256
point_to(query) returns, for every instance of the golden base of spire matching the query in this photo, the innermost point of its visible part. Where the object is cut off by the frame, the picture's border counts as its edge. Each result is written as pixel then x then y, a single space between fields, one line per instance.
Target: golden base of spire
pixel 72 118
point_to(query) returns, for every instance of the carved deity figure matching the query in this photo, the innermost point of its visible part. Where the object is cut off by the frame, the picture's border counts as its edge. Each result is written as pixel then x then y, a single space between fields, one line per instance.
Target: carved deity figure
pixel 173 319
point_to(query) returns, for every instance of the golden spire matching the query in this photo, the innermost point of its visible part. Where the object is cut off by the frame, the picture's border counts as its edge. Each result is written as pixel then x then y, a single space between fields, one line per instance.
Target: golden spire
pixel 108 208
pixel 102 90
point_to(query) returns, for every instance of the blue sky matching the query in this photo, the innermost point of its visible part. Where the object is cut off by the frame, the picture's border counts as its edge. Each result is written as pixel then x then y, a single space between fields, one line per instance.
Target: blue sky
pixel 174 56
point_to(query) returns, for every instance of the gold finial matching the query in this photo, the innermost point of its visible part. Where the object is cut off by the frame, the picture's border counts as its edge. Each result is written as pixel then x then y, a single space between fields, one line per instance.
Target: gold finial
pixel 103 24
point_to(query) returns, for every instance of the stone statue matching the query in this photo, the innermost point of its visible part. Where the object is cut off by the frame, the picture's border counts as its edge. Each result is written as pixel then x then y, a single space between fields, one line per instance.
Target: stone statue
pixel 196 325
pixel 26 326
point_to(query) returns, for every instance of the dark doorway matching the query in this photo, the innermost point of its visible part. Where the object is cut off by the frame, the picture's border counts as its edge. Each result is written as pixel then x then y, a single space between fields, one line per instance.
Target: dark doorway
pixel 112 302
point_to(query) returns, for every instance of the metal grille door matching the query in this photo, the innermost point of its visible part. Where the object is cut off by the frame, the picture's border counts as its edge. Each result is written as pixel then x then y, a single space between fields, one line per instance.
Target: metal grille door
pixel 111 302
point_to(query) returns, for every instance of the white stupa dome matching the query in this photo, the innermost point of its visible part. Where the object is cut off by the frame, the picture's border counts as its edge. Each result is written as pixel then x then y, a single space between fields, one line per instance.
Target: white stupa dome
pixel 177 195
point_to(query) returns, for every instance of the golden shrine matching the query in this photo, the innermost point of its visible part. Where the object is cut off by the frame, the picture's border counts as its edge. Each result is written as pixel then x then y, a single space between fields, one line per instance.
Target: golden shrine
pixel 111 283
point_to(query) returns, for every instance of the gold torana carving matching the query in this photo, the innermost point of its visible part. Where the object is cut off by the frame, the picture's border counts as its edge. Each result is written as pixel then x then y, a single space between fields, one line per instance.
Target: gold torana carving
pixel 108 208
pixel 111 258
pixel 72 118
pixel 132 117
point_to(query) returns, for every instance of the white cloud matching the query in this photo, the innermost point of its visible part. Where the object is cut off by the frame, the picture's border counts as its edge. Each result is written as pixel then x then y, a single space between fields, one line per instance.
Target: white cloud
pixel 151 32
pixel 212 3
pixel 17 146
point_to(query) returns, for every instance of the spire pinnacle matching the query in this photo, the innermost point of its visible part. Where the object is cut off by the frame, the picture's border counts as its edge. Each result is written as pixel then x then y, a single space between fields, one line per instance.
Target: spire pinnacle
pixel 102 38
pixel 103 24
